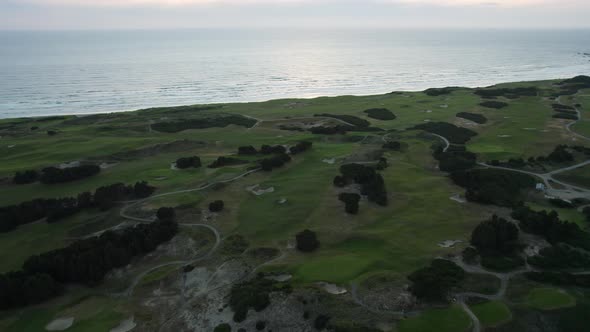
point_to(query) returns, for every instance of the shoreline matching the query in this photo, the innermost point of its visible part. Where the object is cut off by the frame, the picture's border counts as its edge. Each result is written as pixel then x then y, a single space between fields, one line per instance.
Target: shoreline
pixel 83 114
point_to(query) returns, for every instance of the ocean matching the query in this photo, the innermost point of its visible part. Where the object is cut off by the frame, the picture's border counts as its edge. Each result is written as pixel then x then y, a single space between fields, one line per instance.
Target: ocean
pixel 82 72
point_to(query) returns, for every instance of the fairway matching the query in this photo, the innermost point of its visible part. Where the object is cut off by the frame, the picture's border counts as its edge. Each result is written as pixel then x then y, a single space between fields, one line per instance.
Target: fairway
pixel 452 319
pixel 549 299
pixel 492 314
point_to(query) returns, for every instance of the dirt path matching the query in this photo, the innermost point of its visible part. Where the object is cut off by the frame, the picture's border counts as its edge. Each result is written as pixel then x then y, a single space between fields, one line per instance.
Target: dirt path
pixel 568 127
pixel 446 141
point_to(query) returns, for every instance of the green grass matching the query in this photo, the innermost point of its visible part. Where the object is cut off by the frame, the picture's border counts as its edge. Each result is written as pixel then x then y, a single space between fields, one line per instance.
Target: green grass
pixel 158 274
pixel 453 319
pixel 492 314
pixel 579 176
pixel 549 299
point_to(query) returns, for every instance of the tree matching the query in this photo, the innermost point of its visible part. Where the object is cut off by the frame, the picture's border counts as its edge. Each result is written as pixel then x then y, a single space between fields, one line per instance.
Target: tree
pixel 25 177
pixel 495 237
pixel 351 201
pixel 216 206
pixel 248 150
pixel 307 241
pixel 186 162
pixel 166 213
pixel 435 281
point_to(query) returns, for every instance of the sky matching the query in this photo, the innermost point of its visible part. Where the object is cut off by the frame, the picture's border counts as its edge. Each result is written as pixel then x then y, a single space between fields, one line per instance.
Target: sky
pixel 171 14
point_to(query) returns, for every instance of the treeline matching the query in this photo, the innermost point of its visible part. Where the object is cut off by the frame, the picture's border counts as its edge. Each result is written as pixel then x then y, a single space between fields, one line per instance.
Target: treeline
pixel 249 150
pixel 83 262
pixel 226 161
pixel 496 243
pixel 380 114
pixel 549 226
pixel 434 92
pixel 340 129
pixel 454 159
pixel 510 93
pixel 560 154
pixel 573 85
pixel 220 122
pixel 455 135
pixel 493 186
pixel 477 118
pixel 55 209
pixel 52 175
pixel 372 183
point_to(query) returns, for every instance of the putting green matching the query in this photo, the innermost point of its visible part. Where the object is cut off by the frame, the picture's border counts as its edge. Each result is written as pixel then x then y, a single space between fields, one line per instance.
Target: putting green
pixel 549 299
pixel 492 313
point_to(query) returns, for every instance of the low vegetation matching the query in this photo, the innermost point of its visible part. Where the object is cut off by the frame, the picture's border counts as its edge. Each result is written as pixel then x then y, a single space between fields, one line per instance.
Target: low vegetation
pixel 203 123
pixel 455 135
pixel 380 114
pixel 477 118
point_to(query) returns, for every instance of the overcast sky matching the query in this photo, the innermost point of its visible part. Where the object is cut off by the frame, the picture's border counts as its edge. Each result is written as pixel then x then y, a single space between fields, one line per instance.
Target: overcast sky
pixel 146 14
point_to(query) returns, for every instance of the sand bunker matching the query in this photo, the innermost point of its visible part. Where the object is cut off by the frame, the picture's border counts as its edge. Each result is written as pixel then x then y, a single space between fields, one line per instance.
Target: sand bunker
pixel 280 277
pixel 125 326
pixel 444 106
pixel 449 243
pixel 457 198
pixel 74 163
pixel 331 288
pixel 256 190
pixel 60 324
pixel 504 136
pixel 11 146
pixel 173 167
pixel 329 161
pixel 108 165
pixel 282 201
pixel 529 128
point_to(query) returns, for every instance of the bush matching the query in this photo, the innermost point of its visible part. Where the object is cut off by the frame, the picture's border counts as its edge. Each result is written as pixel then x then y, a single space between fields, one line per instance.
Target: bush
pixel 307 241
pixel 560 203
pixel 380 114
pixel 351 201
pixel 435 92
pixel 253 294
pixel 477 118
pixel 247 150
pixel 52 175
pixel 187 162
pixel 276 149
pixel 494 104
pixel 566 116
pixel 166 213
pixel 500 263
pixel 321 322
pixel 455 135
pixel 507 92
pixel 436 281
pixel 300 147
pixel 395 146
pixel 216 206
pixel 451 161
pixel 561 256
pixel 25 177
pixel 227 161
pixel 222 328
pixel 372 183
pixel 260 325
pixel 269 164
pixel 220 122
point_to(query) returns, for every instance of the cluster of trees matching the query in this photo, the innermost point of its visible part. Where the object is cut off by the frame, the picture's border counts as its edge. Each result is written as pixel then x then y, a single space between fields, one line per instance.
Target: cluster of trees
pixel 253 294
pixel 268 164
pixel 477 118
pixel 561 154
pixel 560 278
pixel 561 256
pixel 455 135
pixel 372 183
pixel 220 122
pixel 435 92
pixel 85 261
pixel 55 209
pixel 493 104
pixel 380 114
pixel 573 85
pixel 566 116
pixel 300 147
pixel 392 145
pixel 216 206
pixel 186 162
pixel 351 201
pixel 455 160
pixel 249 150
pixel 333 130
pixel 496 241
pixel 549 226
pixel 434 282
pixel 226 161
pixel 52 175
pixel 564 108
pixel 26 177
pixel 493 186
pixel 510 93
pixel 307 241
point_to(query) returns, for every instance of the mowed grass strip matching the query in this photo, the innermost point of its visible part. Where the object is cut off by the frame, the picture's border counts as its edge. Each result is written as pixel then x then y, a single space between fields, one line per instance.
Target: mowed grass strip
pixel 549 299
pixel 452 319
pixel 491 314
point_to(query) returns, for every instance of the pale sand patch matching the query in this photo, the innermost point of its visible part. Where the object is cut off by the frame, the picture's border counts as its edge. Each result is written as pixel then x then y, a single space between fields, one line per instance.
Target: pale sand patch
pixel 332 288
pixel 449 243
pixel 74 163
pixel 60 324
pixel 504 136
pixel 173 167
pixel 108 165
pixel 256 190
pixel 282 201
pixel 125 326
pixel 329 161
pixel 444 106
pixel 457 198
pixel 280 277
pixel 11 146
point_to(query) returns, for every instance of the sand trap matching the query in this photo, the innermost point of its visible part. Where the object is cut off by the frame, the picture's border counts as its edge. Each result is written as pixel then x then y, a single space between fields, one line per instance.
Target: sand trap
pixel 60 324
pixel 280 277
pixel 74 163
pixel 457 198
pixel 126 325
pixel 331 288
pixel 329 161
pixel 449 243
pixel 11 146
pixel 529 128
pixel 160 178
pixel 282 201
pixel 444 106
pixel 108 165
pixel 427 120
pixel 428 111
pixel 504 136
pixel 173 167
pixel 256 190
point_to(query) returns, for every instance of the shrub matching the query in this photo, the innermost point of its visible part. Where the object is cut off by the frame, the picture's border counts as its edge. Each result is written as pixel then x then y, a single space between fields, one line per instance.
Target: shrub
pixel 495 236
pixel 226 161
pixel 278 149
pixel 260 325
pixel 52 175
pixel 187 162
pixel 451 161
pixel 455 135
pixel 434 92
pixel 166 213
pixel 269 164
pixel 502 263
pixel 320 322
pixel 307 241
pixel 507 92
pixel 477 118
pixel 222 328
pixel 216 206
pixel 380 114
pixel 247 150
pixel 435 281
pixel 395 146
pixel 494 104
pixel 253 294
pixel 566 116
pixel 351 201
pixel 25 177
pixel 300 147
